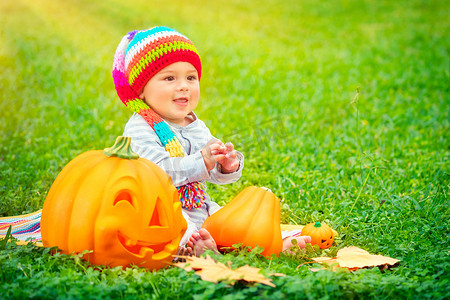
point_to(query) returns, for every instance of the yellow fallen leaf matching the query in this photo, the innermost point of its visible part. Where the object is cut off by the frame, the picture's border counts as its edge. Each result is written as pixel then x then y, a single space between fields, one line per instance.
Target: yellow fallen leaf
pixel 333 267
pixel 213 271
pixel 354 258
pixel 324 259
pixel 198 263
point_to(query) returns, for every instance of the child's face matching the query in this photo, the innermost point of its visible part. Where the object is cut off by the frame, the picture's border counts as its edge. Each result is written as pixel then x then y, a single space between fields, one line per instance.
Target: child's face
pixel 173 92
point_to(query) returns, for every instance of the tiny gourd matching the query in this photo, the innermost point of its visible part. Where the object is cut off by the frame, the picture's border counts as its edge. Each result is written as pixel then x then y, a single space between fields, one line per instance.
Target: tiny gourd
pixel 122 207
pixel 251 218
pixel 321 234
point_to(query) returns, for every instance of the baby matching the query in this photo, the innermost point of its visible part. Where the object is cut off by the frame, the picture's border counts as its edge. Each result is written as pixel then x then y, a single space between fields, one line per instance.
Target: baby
pixel 157 74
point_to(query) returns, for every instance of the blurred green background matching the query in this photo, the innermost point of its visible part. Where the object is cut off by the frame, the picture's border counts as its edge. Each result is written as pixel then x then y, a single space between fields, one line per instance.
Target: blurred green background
pixel 280 81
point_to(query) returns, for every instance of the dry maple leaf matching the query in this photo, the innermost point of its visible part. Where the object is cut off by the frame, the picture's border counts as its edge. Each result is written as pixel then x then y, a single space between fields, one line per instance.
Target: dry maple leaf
pixel 354 258
pixel 213 271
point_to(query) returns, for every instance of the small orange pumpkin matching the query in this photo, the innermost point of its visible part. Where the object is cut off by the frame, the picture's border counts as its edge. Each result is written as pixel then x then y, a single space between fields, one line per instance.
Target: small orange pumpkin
pixel 122 207
pixel 251 218
pixel 321 234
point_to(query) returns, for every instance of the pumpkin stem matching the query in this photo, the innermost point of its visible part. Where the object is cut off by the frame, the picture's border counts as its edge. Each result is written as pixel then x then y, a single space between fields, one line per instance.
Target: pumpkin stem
pixel 317 225
pixel 121 149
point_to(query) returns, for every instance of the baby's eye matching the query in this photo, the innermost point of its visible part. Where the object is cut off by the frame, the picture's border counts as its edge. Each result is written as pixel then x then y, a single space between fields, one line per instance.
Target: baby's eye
pixel 192 77
pixel 169 78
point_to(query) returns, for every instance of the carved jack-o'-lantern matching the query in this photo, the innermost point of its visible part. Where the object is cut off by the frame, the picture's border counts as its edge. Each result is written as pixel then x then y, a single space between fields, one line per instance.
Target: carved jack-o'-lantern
pixel 321 234
pixel 251 218
pixel 122 207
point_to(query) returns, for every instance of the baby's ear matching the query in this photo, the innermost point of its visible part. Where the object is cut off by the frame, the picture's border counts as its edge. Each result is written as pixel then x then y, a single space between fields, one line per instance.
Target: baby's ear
pixel 141 96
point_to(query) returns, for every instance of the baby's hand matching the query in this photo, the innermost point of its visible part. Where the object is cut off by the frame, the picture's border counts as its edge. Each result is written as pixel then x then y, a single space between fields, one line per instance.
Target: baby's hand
pixel 225 155
pixel 213 152
pixel 229 163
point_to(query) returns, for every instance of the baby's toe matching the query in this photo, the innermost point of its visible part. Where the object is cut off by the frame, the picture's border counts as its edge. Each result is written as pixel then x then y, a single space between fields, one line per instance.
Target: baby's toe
pixel 301 243
pixel 204 234
pixel 194 237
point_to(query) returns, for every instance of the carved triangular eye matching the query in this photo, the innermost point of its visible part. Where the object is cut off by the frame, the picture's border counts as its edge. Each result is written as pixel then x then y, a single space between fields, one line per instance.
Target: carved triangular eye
pixel 323 241
pixel 159 216
pixel 123 196
pixel 155 220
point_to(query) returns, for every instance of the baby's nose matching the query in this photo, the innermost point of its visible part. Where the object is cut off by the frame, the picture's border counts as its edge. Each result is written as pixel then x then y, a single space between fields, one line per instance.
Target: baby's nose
pixel 182 85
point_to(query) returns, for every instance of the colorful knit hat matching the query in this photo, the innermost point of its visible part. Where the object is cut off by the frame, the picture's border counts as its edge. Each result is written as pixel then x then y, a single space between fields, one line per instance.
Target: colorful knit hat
pixel 139 56
pixel 142 54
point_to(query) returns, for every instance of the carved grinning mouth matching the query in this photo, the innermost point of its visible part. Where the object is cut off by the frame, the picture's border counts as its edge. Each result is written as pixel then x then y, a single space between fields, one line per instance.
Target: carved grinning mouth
pixel 139 247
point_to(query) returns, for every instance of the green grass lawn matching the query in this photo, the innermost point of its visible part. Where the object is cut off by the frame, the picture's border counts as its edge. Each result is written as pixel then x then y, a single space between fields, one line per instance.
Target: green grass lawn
pixel 279 81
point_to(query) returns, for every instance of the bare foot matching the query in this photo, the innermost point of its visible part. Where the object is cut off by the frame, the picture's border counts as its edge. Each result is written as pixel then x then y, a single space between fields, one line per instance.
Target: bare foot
pixel 301 242
pixel 200 242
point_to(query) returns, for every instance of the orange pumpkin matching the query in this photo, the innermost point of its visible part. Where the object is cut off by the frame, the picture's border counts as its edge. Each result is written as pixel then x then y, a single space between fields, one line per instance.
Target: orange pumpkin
pixel 122 207
pixel 321 234
pixel 251 218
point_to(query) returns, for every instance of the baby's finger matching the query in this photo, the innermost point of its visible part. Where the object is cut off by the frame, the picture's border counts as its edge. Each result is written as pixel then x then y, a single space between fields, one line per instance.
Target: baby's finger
pixel 215 149
pixel 235 164
pixel 217 152
pixel 230 146
pixel 230 167
pixel 218 157
pixel 232 154
pixel 217 146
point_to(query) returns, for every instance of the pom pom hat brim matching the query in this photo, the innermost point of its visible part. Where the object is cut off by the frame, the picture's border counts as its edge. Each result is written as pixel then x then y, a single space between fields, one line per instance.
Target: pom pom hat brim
pixel 142 54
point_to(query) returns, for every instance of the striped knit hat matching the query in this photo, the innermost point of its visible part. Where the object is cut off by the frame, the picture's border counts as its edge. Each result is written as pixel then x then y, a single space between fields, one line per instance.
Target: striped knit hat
pixel 141 54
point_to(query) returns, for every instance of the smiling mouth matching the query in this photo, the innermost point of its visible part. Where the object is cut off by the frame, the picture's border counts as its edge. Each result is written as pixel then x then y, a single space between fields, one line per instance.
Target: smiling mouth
pixel 181 101
pixel 141 248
